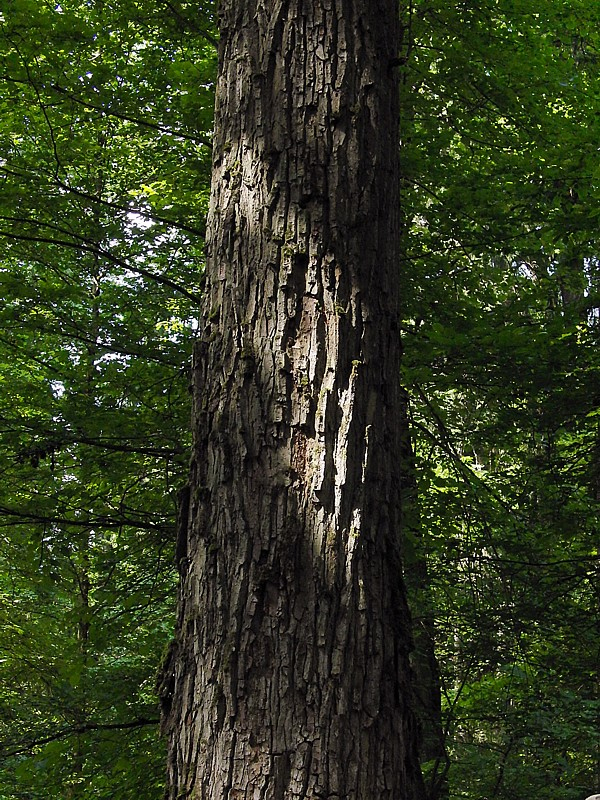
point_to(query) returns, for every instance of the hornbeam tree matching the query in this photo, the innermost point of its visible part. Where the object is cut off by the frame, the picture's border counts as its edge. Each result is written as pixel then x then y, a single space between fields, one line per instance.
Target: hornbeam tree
pixel 289 675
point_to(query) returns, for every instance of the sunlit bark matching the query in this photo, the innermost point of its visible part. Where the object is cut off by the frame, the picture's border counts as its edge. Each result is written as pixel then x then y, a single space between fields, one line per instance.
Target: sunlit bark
pixel 289 676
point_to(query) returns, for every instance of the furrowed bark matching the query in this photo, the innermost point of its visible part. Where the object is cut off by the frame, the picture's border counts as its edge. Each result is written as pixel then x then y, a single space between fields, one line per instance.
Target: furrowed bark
pixel 290 676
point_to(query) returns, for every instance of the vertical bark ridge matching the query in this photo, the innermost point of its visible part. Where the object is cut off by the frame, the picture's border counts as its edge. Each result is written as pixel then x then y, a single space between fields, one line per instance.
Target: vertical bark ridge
pixel 293 634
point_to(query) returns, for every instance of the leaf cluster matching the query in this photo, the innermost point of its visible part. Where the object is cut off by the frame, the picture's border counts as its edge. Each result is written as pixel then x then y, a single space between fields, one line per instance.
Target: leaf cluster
pixel 105 126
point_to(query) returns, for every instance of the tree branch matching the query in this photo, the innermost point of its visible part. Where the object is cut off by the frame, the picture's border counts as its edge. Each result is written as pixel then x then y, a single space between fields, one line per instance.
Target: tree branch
pixel 86 727
pixel 116 522
pixel 21 174
pixel 81 246
pixel 198 139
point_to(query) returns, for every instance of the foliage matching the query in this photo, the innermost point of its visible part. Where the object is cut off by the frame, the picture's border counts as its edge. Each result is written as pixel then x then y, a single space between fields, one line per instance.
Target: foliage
pixel 104 173
pixel 105 139
pixel 501 341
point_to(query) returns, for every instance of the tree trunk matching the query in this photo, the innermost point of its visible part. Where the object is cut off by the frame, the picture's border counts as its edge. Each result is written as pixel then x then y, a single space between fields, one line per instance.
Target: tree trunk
pixel 289 676
pixel 425 666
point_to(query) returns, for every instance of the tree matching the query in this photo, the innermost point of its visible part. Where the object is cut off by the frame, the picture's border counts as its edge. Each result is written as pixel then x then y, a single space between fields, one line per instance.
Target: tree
pixel 289 672
pixel 105 137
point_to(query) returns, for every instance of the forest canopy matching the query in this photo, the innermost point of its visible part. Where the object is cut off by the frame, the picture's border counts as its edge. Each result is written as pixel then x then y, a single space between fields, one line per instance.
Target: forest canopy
pixel 105 166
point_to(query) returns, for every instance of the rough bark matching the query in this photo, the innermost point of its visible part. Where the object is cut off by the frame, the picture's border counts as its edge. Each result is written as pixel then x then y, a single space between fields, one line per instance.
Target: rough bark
pixel 289 677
